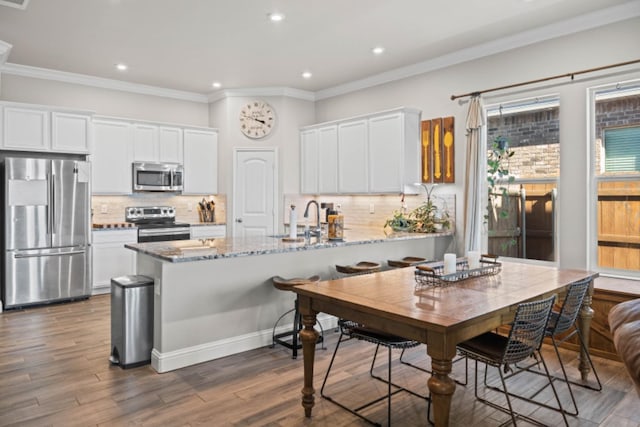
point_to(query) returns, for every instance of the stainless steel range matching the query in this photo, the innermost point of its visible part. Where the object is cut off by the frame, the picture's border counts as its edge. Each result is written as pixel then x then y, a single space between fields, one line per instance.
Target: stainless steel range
pixel 157 223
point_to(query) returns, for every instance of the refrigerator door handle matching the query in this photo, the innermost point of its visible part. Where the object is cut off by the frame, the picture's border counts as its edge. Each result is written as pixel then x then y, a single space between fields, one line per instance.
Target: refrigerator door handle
pixel 50 254
pixel 52 204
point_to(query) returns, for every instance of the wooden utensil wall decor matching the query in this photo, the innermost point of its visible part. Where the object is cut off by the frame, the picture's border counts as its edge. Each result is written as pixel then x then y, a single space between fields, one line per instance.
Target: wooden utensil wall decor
pixel 437 148
pixel 426 151
pixel 448 152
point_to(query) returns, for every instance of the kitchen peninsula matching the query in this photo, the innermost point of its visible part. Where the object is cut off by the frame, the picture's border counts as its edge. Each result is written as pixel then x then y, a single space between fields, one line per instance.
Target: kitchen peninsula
pixel 214 297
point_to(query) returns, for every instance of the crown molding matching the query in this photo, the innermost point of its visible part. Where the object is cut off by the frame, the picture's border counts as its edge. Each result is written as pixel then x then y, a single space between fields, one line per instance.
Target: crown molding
pixel 86 80
pixel 262 91
pixel 580 23
pixel 5 49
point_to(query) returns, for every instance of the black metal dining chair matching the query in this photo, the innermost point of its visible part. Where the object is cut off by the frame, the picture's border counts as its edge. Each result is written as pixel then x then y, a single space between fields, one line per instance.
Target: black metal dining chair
pixel 524 341
pixel 353 330
pixel 561 322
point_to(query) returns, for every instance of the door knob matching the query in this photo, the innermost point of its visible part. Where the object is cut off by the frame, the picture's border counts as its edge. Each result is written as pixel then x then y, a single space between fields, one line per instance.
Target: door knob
pixel 239 220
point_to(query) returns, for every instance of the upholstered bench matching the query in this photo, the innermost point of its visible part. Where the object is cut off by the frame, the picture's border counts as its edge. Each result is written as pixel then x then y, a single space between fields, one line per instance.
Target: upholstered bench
pixel 624 321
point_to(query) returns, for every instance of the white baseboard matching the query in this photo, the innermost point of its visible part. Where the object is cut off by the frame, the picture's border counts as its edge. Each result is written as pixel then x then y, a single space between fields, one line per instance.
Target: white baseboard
pixel 165 362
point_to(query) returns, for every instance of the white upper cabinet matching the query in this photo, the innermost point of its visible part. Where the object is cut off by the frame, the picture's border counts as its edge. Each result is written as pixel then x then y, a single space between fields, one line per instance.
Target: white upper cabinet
pixel 145 143
pixel 309 161
pixel 112 157
pixel 200 161
pixel 319 160
pixel 170 144
pixel 35 128
pixel 328 159
pixel 153 143
pixel 385 153
pixel 352 157
pixel 71 133
pixel 376 153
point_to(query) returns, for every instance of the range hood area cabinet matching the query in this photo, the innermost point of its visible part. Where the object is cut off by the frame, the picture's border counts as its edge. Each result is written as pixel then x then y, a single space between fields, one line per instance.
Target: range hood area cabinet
pixel 372 154
pixel 118 143
pixel 36 128
pixel 157 144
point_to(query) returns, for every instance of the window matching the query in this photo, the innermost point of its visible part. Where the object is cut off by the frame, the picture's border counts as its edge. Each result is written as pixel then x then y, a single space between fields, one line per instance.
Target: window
pixel 616 170
pixel 622 149
pixel 522 222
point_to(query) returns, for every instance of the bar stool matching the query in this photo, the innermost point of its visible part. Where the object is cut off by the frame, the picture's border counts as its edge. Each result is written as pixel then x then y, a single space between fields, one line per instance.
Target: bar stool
pixel 408 261
pixel 363 267
pixel 287 285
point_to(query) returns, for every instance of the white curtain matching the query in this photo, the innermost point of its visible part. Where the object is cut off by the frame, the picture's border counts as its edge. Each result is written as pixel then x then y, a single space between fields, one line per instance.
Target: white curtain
pixel 473 215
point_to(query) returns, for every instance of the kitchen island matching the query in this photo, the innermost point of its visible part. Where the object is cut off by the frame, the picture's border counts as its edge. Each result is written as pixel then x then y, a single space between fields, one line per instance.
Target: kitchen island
pixel 214 297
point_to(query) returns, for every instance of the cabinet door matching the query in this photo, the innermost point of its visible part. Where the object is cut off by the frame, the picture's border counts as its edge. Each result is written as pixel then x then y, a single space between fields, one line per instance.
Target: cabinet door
pixel 145 143
pixel 328 159
pixel 170 144
pixel 200 162
pixel 70 133
pixel 112 157
pixel 309 161
pixel 25 129
pixel 111 258
pixel 208 231
pixel 352 157
pixel 386 144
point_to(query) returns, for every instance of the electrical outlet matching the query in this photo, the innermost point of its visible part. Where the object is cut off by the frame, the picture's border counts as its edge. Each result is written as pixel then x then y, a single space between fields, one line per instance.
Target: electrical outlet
pixel 104 209
pixel 190 207
pixel 372 208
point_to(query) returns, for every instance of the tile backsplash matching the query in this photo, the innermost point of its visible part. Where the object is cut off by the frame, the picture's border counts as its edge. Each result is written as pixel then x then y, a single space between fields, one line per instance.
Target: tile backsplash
pixel 110 209
pixel 366 211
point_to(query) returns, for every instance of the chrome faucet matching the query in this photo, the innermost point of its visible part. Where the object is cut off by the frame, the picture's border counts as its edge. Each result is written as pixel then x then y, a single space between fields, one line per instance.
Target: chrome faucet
pixel 318 230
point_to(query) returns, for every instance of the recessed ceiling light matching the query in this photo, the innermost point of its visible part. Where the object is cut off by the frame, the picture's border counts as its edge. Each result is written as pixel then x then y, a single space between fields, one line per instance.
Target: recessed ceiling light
pixel 378 50
pixel 276 17
pixel 307 75
pixel 122 67
pixel 216 85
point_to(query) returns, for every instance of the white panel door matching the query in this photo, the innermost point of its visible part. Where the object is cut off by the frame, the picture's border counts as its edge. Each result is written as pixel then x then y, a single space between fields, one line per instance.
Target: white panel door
pixel 328 159
pixel 352 157
pixel 200 162
pixel 25 129
pixel 70 133
pixel 254 193
pixel 170 144
pixel 145 143
pixel 309 161
pixel 386 144
pixel 111 158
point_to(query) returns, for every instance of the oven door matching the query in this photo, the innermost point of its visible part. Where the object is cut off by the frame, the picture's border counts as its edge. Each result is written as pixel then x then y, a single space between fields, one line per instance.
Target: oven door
pixel 161 234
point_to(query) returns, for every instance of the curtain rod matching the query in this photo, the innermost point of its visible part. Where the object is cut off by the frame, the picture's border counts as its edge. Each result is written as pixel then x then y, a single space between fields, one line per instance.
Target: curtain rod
pixel 559 76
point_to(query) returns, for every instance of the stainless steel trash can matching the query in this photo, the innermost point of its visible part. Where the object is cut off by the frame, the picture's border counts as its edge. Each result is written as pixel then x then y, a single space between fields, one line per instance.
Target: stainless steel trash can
pixel 131 320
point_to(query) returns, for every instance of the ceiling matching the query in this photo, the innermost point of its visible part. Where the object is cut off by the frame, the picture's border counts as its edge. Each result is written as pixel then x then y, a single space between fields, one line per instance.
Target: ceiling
pixel 186 45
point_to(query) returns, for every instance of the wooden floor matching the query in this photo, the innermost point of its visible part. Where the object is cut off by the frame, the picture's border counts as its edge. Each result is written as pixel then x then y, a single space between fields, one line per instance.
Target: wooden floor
pixel 54 371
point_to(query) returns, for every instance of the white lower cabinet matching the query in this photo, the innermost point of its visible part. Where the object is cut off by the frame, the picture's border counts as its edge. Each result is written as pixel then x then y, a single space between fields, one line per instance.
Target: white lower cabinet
pixel 111 258
pixel 208 231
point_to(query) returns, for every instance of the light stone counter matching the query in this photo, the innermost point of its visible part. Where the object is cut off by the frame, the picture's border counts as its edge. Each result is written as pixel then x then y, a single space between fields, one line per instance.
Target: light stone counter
pixel 214 297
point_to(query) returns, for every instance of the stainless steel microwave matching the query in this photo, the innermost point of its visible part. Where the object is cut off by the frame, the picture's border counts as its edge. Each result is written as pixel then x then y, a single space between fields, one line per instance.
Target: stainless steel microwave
pixel 157 176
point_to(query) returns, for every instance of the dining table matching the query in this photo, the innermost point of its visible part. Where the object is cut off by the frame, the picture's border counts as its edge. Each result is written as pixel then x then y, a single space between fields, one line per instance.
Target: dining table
pixel 440 315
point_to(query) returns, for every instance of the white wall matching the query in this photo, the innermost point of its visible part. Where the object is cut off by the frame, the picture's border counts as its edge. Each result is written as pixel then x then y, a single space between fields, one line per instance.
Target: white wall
pixel 291 114
pixel 103 101
pixel 431 93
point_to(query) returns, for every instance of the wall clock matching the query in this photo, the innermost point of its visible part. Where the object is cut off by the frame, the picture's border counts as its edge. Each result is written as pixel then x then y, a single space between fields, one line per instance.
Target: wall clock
pixel 257 119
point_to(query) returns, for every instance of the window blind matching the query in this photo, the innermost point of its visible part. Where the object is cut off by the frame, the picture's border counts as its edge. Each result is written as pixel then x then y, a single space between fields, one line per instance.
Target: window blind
pixel 622 149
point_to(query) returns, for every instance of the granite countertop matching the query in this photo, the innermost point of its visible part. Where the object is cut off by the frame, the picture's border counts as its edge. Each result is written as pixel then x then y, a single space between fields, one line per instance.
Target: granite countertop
pixel 198 224
pixel 216 248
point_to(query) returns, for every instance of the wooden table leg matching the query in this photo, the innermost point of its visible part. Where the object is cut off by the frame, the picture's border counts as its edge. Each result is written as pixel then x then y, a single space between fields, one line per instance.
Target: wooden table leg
pixel 584 323
pixel 441 387
pixel 309 338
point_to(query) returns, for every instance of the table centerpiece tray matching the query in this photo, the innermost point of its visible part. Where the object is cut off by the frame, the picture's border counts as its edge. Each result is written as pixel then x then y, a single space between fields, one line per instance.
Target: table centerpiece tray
pixel 432 274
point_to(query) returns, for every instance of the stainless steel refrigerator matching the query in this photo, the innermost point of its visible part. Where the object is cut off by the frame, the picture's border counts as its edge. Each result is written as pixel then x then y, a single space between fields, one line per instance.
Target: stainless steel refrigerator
pixel 47 214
